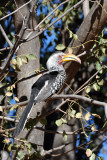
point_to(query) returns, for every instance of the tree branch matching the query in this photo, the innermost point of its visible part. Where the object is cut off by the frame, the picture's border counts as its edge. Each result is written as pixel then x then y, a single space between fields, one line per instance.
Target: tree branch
pixel 83 98
pixel 17 43
pixel 9 119
pixel 15 10
pixel 5 36
pixel 47 17
pixel 75 6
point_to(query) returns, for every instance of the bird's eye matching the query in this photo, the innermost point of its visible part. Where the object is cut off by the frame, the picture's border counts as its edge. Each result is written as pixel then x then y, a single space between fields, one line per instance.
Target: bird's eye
pixel 59 59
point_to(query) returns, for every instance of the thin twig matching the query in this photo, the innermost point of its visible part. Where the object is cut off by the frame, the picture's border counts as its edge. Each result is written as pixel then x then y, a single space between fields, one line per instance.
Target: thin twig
pixel 2 121
pixel 24 78
pixel 33 75
pixel 17 43
pixel 4 49
pixel 8 119
pixel 47 17
pixel 88 80
pixel 5 36
pixel 15 10
pixel 60 17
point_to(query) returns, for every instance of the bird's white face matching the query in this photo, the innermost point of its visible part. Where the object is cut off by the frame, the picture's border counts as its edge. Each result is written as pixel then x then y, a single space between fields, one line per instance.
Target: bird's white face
pixel 56 60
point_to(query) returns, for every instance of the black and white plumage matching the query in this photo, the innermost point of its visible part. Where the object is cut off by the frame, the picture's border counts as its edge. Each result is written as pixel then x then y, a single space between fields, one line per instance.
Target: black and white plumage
pixel 47 84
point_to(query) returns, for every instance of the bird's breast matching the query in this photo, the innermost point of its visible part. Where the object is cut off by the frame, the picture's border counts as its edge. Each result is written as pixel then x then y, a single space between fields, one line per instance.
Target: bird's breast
pixel 57 84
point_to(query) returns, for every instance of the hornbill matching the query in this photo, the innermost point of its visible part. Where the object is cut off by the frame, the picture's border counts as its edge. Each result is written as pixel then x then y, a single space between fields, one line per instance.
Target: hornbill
pixel 48 84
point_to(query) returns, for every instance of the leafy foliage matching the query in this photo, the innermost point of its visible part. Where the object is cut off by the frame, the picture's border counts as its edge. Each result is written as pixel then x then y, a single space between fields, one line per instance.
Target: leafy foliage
pixel 91 118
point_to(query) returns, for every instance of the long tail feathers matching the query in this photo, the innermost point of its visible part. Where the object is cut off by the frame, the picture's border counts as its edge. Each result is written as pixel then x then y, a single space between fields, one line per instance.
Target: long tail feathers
pixel 24 117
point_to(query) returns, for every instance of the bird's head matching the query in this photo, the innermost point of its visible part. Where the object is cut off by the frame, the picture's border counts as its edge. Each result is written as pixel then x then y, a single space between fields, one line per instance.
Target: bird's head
pixel 57 59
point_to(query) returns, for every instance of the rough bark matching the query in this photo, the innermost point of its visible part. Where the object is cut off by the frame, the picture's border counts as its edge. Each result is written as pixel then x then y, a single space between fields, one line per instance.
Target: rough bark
pixel 87 33
pixel 24 88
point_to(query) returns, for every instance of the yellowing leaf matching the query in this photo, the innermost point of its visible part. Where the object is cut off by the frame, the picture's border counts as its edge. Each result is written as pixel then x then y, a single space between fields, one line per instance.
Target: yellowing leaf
pixel 64 120
pixel 25 59
pixel 93 128
pixel 13 86
pixel 16 99
pixel 88 152
pixel 8 94
pixel 58 122
pixel 96 115
pixel 75 36
pixel 101 82
pixel 78 115
pixel 87 116
pixel 1 109
pixel 65 136
pixel 73 112
pixel 60 47
pixel 88 89
pixel 19 61
pixel 20 155
pixel 14 61
pixel 96 87
pixel 9 147
pixel 92 157
pixel 70 34
pixel 7 140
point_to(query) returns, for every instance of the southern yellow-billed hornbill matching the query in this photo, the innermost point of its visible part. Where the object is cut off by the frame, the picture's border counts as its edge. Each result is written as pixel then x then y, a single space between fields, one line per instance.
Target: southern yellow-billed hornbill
pixel 47 84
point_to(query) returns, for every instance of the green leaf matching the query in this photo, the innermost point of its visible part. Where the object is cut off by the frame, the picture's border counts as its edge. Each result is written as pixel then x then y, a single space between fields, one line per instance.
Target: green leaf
pixel 9 94
pixel 75 36
pixel 101 82
pixel 31 123
pixel 73 112
pixel 47 20
pixel 92 157
pixel 43 121
pixel 87 116
pixel 20 155
pixel 17 68
pixel 1 14
pixel 88 89
pixel 1 109
pixel 103 50
pixel 14 61
pixel 29 147
pixel 60 47
pixel 59 122
pixel 88 152
pixel 98 66
pixel 10 147
pixel 78 115
pixel 96 115
pixel 96 87
pixel 64 136
pixel 31 57
pixel 70 34
pixel 19 61
pixel 25 59
pixel 64 120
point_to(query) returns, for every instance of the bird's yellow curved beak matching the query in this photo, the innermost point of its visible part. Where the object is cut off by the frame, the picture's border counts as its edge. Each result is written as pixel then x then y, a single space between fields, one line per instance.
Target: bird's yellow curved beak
pixel 70 57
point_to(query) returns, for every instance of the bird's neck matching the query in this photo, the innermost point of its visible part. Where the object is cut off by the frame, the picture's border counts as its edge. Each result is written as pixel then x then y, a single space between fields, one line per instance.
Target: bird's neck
pixel 61 72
